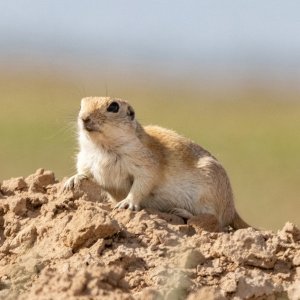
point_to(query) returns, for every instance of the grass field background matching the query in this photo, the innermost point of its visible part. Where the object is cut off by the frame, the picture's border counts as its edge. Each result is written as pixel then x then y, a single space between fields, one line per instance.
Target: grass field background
pixel 253 130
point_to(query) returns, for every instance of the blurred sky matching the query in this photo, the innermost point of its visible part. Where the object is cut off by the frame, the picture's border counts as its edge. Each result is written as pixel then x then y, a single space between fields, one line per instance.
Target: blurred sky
pixel 233 35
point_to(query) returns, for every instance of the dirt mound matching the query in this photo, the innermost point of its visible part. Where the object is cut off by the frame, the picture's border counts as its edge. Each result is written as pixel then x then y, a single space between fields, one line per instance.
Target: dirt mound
pixel 74 245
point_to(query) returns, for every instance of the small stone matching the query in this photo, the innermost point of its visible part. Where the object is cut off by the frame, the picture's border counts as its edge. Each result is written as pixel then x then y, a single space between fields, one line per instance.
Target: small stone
pixel 229 283
pixel 36 188
pixel 14 184
pixel 98 247
pixel 40 180
pixel 18 206
pixel 87 226
pixel 123 216
pixel 191 258
pixel 24 239
pixel 255 285
pixel 247 247
pixel 290 232
pixel 296 259
pixel 46 178
pixel 39 171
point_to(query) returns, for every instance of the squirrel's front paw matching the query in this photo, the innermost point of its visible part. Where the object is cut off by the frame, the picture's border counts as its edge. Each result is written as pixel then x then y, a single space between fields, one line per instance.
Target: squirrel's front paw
pixel 128 204
pixel 73 181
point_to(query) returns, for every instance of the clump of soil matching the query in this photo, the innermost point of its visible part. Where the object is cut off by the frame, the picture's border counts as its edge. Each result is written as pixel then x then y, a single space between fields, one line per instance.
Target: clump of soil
pixel 74 245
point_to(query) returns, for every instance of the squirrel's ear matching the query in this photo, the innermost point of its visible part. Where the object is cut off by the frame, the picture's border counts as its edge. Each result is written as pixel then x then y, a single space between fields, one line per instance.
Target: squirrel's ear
pixel 130 113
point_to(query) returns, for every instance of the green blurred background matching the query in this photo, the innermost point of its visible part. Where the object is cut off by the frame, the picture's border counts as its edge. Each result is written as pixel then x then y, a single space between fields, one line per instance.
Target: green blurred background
pixel 245 112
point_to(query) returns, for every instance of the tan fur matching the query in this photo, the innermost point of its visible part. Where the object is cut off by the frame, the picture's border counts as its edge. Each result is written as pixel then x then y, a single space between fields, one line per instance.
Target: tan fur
pixel 150 167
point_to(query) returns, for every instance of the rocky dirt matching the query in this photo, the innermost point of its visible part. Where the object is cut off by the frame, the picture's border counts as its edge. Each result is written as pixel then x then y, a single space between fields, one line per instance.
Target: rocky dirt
pixel 75 246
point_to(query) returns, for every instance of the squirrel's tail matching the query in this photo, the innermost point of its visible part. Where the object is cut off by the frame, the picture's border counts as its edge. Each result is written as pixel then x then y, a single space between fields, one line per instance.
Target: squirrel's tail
pixel 238 222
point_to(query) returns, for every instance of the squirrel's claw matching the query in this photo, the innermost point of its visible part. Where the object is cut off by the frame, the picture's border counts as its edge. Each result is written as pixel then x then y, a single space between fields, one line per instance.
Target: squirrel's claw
pixel 128 204
pixel 73 181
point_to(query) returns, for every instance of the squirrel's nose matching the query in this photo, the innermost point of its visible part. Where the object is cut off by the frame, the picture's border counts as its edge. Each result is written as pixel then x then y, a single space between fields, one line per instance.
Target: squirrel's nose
pixel 86 120
pixel 88 123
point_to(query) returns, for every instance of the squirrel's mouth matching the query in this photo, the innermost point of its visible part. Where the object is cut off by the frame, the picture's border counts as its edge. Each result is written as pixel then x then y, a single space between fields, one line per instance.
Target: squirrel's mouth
pixel 89 125
pixel 90 128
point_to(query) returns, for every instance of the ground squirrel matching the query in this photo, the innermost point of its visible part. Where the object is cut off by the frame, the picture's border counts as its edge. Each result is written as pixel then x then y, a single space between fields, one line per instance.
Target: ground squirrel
pixel 149 167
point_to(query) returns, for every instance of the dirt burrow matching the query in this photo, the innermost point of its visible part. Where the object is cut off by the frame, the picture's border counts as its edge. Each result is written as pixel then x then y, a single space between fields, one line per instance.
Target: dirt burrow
pixel 73 245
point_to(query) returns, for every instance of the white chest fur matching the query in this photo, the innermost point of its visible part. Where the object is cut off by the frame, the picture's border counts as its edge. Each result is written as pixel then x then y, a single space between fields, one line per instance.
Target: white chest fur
pixel 110 170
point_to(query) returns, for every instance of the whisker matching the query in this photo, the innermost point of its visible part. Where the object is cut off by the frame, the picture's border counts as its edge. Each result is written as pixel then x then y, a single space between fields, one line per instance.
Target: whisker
pixel 70 127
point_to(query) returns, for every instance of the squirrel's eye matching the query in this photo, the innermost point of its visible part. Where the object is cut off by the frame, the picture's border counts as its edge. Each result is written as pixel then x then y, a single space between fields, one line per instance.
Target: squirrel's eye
pixel 113 107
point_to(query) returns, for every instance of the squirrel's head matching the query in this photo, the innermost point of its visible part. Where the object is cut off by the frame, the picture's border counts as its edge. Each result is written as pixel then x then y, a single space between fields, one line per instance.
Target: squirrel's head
pixel 106 117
